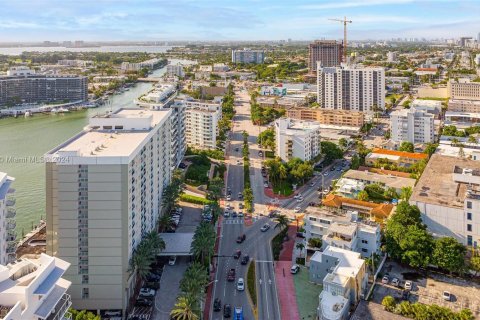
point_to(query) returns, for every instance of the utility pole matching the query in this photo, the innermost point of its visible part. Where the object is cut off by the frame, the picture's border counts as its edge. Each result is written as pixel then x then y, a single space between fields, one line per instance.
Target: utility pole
pixel 344 21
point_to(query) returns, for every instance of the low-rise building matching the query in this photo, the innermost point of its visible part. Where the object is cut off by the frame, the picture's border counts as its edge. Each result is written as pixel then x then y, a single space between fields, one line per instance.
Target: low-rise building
pixel 32 289
pixel 328 117
pixel 344 277
pixel 386 181
pixel 377 212
pixel 412 125
pixel 297 139
pixel 136 66
pixel 349 188
pixel 461 119
pixel 7 220
pixel 220 67
pixel 400 158
pixel 464 89
pixel 463 106
pixel 160 92
pixel 448 196
pixel 430 106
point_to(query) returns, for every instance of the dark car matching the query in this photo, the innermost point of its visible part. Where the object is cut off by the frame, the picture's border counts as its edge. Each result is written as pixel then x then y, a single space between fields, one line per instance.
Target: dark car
pixel 237 254
pixel 405 294
pixel 241 238
pixel 143 302
pixel 245 260
pixel 332 169
pixel 300 235
pixel 312 204
pixel 227 311
pixel 182 165
pixel 217 305
pixel 152 277
pixel 155 285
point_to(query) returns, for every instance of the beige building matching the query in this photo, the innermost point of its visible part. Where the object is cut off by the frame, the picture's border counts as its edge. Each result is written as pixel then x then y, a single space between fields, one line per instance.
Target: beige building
pixel 464 89
pixel 464 106
pixel 328 117
pixel 103 195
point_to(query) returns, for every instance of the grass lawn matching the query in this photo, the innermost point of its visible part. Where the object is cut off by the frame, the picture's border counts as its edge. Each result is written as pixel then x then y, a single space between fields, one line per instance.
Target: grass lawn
pixel 284 188
pixel 307 294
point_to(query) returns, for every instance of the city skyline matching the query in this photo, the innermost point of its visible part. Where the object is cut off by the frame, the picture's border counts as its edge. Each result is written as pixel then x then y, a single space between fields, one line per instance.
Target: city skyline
pixel 228 20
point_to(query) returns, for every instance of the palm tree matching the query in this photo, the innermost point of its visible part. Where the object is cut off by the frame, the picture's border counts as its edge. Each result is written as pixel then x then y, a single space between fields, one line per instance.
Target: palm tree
pixel 282 221
pixel 282 172
pixel 406 193
pixel 184 309
pixel 194 281
pixel 141 261
pixel 165 221
pixel 300 246
pixel 203 242
pixel 472 139
pixel 154 242
pixel 215 188
pixel 454 142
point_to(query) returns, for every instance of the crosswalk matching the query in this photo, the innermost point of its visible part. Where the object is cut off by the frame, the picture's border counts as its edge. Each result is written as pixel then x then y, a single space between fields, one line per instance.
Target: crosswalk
pixel 233 221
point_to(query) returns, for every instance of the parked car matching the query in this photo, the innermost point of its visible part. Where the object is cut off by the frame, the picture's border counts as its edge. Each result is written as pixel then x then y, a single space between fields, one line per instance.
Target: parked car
pixel 241 206
pixel 182 165
pixel 155 285
pixel 265 227
pixel 240 214
pixel 240 284
pixel 240 195
pixel 172 260
pixel 152 277
pixel 237 254
pixel 408 285
pixel 245 259
pixel 446 296
pixel 142 302
pixel 234 214
pixel 325 173
pixel 229 197
pixel 395 282
pixel 241 238
pixel 147 293
pixel 385 280
pixel 226 214
pixel 300 235
pixel 227 311
pixel 294 269
pixel 217 305
pixel 265 184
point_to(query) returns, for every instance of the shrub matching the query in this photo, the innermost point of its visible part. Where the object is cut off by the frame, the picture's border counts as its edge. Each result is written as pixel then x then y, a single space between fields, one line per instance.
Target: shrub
pixel 389 303
pixel 252 289
pixel 193 199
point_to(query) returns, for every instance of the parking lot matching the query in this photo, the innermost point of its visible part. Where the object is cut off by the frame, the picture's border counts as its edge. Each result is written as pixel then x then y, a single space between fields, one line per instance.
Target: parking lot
pixel 429 290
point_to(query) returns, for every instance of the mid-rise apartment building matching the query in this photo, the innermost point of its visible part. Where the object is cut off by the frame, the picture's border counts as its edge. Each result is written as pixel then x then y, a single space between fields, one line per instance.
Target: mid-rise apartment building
pixel 75 63
pixel 344 276
pixel 412 125
pixel 343 230
pixel 340 118
pixel 31 88
pixel 351 87
pixel 464 89
pixel 448 196
pixel 391 56
pixel 297 139
pixel 329 53
pixel 175 70
pixel 464 106
pixel 103 195
pixel 135 66
pixel 32 289
pixel 248 56
pixel 7 220
pixel 201 122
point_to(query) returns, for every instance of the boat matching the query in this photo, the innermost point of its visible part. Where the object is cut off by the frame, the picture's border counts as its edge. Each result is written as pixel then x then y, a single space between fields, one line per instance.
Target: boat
pixel 63 110
pixel 27 114
pixel 54 110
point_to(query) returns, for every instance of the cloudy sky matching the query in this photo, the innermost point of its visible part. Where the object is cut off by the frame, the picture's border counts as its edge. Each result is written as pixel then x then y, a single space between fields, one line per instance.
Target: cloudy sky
pixel 38 20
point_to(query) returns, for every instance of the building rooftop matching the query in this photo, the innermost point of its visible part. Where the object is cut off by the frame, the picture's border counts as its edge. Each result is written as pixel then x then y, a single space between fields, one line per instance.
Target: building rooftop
pixel 379 210
pixel 387 180
pixel 437 184
pixel 348 265
pixel 403 154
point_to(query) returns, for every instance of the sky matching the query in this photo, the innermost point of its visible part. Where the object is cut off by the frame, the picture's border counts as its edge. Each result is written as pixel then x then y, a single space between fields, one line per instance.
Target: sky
pixel 166 20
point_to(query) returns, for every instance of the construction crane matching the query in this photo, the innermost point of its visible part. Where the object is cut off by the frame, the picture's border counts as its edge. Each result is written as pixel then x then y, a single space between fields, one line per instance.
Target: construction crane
pixel 344 21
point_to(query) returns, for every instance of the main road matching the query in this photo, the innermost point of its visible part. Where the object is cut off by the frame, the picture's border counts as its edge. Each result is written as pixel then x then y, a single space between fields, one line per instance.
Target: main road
pixel 257 243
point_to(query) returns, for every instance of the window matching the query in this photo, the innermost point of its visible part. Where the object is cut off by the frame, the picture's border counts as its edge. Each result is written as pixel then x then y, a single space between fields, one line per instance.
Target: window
pixel 469 240
pixel 364 250
pixel 469 216
pixel 365 241
pixel 469 227
pixel 84 279
pixel 469 205
pixel 85 293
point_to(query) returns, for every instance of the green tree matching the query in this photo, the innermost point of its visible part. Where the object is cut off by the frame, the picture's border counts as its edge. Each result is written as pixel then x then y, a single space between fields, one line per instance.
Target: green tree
pixel 391 193
pixel 330 151
pixel 430 148
pixel 165 221
pixel 449 254
pixel 389 303
pixel 343 143
pixel 203 242
pixel 194 281
pixel 475 264
pixel 407 146
pixel 267 139
pixel 300 246
pixel 315 242
pixel 184 309
pixel 215 188
pixel 406 193
pixel 83 315
pixel 355 162
pixel 362 195
pixel 417 246
pixel 282 222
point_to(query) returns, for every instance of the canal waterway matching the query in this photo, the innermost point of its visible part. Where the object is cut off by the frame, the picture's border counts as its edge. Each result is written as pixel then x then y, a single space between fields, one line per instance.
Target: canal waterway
pixel 24 141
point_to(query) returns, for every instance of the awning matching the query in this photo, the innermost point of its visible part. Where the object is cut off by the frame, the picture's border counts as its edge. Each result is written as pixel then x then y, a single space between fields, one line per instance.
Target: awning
pixel 176 244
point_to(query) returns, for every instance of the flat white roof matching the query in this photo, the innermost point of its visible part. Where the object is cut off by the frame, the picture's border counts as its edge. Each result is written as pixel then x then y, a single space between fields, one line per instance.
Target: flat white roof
pixel 349 263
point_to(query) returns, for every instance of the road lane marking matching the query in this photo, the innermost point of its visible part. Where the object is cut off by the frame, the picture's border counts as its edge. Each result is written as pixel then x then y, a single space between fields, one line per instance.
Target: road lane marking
pixel 266 295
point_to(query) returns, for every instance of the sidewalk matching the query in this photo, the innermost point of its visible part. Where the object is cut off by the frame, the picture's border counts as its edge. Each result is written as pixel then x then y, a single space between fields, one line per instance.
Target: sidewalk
pixel 208 298
pixel 284 279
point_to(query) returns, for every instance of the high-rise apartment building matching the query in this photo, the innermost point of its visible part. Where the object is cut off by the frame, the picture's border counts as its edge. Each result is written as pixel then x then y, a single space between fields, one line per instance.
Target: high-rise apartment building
pixel 412 125
pixel 297 139
pixel 103 195
pixel 248 56
pixel 201 122
pixel 7 220
pixel 391 56
pixel 328 52
pixel 175 70
pixel 23 86
pixel 464 89
pixel 351 87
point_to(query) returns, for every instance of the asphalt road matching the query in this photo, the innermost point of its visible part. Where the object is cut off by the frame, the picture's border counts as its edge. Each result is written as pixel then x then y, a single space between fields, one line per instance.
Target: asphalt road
pixel 257 243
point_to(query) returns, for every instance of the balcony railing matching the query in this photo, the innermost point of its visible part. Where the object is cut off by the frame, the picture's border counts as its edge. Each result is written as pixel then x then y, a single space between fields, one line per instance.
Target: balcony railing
pixel 61 309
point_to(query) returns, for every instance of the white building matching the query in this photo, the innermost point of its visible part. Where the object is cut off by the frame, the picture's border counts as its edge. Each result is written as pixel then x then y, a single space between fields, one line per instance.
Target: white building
pixel 7 220
pixel 448 196
pixel 343 230
pixel 351 87
pixel 75 63
pixel 297 139
pixel 20 71
pixel 175 70
pixel 161 92
pixel 391 56
pixel 201 122
pixel 248 56
pixel 103 195
pixel 135 66
pixel 464 89
pixel 344 278
pixel 412 125
pixel 33 289
pixel 220 67
pixel 431 106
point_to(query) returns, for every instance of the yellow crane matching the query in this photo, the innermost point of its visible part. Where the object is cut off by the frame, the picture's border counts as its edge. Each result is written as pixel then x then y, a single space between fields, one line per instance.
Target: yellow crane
pixel 344 21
